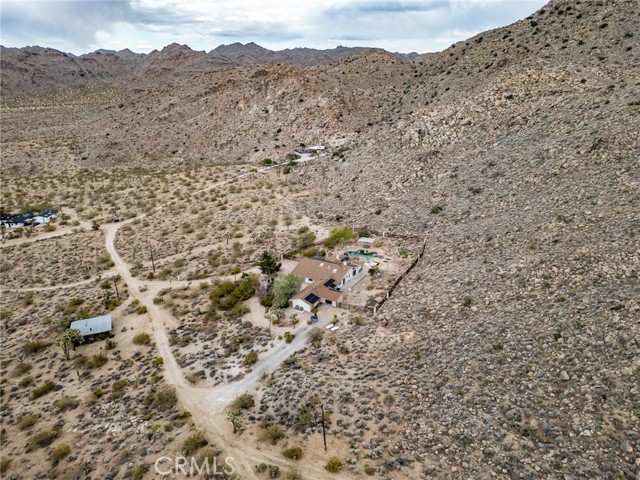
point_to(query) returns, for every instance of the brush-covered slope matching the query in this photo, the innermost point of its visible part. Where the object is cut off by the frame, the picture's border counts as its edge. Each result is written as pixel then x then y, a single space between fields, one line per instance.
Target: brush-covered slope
pixel 512 348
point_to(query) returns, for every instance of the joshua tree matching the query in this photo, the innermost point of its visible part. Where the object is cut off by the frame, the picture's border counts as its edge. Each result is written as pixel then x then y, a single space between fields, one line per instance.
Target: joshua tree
pixel 69 339
pixel 235 419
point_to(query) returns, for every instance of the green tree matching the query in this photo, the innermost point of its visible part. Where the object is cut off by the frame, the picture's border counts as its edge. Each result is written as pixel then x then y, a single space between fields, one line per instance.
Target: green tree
pixel 340 235
pixel 284 287
pixel 69 339
pixel 268 263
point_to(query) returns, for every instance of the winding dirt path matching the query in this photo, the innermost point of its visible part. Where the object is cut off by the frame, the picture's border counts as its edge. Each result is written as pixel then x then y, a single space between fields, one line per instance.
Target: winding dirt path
pixel 207 405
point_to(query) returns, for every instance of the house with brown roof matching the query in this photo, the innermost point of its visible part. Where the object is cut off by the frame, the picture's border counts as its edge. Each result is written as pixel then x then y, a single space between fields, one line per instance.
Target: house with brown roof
pixel 325 279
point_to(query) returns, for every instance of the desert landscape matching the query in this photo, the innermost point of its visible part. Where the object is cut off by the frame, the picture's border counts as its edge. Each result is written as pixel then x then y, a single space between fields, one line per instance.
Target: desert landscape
pixel 326 264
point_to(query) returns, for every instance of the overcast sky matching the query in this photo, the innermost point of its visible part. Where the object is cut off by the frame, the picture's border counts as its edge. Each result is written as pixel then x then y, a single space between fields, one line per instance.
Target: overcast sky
pixel 143 25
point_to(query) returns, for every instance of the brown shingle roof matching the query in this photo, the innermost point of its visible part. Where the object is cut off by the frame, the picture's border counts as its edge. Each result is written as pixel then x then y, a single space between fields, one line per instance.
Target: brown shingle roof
pixel 321 269
pixel 324 293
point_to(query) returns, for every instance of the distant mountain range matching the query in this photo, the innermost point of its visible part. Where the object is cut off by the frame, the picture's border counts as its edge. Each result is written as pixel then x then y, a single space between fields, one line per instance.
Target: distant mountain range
pixel 38 69
pixel 246 53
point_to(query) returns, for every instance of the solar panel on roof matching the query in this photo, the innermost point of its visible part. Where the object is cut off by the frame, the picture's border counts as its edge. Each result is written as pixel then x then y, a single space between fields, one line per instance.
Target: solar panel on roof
pixel 330 283
pixel 312 298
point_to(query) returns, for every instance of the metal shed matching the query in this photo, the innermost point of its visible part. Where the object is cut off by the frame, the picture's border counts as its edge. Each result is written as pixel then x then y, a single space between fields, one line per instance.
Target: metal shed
pixel 92 326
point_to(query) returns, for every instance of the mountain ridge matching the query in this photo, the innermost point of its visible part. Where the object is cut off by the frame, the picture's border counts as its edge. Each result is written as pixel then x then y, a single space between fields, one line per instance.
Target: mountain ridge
pixel 168 64
pixel 511 348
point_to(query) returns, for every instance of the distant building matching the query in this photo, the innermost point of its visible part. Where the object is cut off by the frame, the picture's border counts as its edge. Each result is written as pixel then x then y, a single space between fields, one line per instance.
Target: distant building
pixel 16 220
pixel 93 326
pixel 366 241
pixel 44 217
pixel 25 219
pixel 313 149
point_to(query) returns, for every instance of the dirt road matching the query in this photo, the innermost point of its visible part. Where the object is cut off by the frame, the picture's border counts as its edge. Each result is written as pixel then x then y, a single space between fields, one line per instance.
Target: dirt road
pixel 207 405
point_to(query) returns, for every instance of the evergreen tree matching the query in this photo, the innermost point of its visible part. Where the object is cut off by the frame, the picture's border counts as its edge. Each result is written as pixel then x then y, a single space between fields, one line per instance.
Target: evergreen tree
pixel 268 263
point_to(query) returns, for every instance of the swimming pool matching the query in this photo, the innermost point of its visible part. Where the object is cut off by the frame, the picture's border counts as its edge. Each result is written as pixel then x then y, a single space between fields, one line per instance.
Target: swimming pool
pixel 362 253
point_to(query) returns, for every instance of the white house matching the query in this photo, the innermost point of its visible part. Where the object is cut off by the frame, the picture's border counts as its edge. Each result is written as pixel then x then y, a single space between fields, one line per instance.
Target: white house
pixel 25 219
pixel 313 295
pixel 44 217
pixel 17 220
pixel 325 279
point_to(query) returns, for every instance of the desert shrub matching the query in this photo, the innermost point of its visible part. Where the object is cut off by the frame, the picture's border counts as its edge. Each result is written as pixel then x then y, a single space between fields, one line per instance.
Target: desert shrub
pixel 43 389
pixel 238 311
pixel 339 235
pixel 193 443
pixel 267 420
pixel 138 472
pixel 334 465
pixel 274 470
pixel 305 239
pixel 95 361
pixel 142 339
pixel 119 385
pixel 313 251
pixel 30 348
pixel 66 403
pixel 40 440
pixel 369 470
pixel 193 377
pixel 5 463
pixel 288 337
pixel 292 453
pixel 27 421
pixel 244 401
pixel 304 420
pixel 294 474
pixel 26 381
pixel 389 400
pixel 21 369
pixel 60 452
pixel 110 344
pixel 315 336
pixel 141 310
pixel 228 295
pixel 436 209
pixel 165 398
pixel 266 301
pixel 273 434
pixel 250 358
pixel 72 306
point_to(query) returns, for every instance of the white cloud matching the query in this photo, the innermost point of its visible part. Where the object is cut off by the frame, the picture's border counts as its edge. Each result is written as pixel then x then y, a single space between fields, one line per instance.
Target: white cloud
pixel 399 25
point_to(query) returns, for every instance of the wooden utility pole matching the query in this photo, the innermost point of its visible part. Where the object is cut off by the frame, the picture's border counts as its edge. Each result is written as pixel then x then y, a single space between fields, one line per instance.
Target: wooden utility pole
pixel 152 262
pixel 324 432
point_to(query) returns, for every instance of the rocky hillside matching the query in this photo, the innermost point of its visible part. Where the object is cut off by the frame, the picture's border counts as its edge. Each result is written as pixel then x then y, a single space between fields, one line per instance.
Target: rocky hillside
pixel 513 344
pixel 252 53
pixel 180 105
pixel 40 70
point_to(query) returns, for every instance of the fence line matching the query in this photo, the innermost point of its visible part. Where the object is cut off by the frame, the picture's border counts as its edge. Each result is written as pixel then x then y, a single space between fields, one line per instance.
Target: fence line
pixel 374 309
